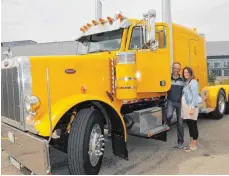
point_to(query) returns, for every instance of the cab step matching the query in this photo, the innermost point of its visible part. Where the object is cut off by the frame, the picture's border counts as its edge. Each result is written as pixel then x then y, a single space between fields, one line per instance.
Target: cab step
pixel 152 132
pixel 206 110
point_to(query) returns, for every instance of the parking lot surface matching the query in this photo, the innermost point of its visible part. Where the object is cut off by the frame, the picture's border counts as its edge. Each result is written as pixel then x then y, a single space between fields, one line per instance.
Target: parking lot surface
pixel 147 156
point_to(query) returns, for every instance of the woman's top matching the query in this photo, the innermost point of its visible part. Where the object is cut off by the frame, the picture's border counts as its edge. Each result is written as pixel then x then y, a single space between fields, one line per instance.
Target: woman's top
pixel 191 93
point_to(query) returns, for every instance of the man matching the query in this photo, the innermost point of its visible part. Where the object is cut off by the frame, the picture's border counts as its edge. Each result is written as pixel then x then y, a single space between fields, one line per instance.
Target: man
pixel 174 102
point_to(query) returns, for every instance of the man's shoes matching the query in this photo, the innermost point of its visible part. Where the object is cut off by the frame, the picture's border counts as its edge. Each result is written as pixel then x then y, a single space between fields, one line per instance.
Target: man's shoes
pixel 167 122
pixel 179 146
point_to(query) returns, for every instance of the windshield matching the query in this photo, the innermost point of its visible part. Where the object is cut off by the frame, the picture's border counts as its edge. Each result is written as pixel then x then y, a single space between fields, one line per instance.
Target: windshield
pixel 105 41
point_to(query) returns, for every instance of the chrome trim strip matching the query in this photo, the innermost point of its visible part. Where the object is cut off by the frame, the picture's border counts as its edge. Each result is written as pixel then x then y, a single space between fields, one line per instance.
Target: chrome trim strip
pixel 8 94
pixel 129 101
pixel 12 122
pixel 49 103
pixel 126 87
pixel 126 58
pixel 21 96
pixel 26 84
pixel 126 78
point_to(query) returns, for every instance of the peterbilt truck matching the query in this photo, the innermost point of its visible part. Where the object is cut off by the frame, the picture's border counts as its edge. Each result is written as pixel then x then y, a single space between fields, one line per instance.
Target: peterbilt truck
pixel 114 86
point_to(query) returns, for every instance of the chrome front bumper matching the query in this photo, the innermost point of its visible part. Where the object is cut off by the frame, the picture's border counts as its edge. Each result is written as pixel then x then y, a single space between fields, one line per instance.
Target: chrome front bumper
pixel 30 151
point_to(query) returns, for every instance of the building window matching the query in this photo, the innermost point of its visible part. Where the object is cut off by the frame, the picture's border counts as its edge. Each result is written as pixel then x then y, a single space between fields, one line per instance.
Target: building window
pixel 226 72
pixel 216 65
pixel 211 65
pixel 218 72
pixel 226 64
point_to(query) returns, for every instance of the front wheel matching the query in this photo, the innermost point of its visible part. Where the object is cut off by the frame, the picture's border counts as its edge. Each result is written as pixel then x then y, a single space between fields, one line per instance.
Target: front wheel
pixel 86 143
pixel 221 106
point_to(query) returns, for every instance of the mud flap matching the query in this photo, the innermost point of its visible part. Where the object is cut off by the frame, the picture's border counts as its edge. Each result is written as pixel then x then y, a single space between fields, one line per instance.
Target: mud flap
pixel 119 145
pixel 162 136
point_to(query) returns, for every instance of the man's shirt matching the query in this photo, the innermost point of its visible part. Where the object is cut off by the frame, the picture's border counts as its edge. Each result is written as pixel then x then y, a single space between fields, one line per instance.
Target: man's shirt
pixel 175 92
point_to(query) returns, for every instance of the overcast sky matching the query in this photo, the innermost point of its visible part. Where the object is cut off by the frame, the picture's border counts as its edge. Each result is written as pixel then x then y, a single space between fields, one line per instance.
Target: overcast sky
pixel 60 20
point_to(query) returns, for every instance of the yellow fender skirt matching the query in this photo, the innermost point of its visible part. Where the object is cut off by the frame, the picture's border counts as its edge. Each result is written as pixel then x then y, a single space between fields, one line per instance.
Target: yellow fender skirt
pixel 212 94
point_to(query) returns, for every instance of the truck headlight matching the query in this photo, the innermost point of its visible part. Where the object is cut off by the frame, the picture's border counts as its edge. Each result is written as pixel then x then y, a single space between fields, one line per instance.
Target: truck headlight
pixel 32 103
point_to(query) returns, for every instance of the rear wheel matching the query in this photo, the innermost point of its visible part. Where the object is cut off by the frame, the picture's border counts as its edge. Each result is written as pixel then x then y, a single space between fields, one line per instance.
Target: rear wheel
pixel 86 143
pixel 221 106
pixel 227 107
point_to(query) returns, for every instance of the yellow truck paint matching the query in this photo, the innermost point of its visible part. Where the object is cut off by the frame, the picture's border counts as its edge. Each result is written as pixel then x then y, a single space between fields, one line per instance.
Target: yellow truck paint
pixel 65 89
pixel 61 107
pixel 93 72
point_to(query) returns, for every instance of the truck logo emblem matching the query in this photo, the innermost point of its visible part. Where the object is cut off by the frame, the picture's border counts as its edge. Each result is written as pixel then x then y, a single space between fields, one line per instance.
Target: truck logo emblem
pixel 70 71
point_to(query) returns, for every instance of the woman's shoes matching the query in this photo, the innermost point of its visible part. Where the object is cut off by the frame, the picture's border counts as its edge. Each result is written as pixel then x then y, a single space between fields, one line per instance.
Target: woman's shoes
pixel 189 148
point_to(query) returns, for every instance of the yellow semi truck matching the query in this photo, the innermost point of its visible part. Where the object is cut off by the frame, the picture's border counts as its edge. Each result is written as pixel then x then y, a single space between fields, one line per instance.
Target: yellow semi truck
pixel 116 83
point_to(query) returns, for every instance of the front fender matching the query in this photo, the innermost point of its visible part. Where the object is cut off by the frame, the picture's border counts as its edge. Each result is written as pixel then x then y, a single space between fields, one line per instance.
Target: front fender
pixel 58 109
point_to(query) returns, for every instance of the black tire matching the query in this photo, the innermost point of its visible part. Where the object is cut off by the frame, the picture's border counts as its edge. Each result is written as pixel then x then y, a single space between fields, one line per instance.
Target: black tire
pixel 227 107
pixel 78 143
pixel 217 114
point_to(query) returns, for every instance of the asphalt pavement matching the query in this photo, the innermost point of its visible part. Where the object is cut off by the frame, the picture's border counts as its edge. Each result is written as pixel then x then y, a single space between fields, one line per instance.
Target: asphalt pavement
pixel 147 156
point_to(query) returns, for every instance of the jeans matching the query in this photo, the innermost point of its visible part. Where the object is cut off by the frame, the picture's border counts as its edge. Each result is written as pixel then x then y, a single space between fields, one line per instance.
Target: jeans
pixel 193 130
pixel 171 106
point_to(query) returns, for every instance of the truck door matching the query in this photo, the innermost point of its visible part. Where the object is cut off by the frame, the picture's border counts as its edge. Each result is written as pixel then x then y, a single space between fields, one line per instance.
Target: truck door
pixel 153 68
pixel 193 58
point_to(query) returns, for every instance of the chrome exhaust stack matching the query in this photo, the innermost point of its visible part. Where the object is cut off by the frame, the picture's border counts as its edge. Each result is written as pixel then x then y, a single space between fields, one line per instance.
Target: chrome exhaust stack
pixel 167 18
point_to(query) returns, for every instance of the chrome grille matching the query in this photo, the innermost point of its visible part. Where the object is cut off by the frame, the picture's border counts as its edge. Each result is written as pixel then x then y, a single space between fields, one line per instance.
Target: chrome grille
pixel 10 101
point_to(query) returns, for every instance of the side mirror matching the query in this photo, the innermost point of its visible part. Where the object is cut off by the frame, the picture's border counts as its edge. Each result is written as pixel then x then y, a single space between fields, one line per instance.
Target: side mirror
pixel 154 45
pixel 150 29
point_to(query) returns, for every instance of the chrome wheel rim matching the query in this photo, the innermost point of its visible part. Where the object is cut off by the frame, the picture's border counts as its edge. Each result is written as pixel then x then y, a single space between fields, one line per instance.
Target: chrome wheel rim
pixel 96 145
pixel 221 104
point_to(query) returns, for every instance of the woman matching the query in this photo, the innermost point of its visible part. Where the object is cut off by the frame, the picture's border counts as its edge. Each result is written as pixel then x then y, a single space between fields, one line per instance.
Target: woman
pixel 189 107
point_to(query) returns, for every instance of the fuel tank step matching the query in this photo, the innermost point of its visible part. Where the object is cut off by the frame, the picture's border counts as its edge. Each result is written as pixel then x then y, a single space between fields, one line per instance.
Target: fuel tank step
pixel 152 132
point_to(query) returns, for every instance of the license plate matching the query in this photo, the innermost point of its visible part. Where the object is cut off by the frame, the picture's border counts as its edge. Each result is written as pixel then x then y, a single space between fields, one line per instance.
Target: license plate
pixel 11 137
pixel 15 163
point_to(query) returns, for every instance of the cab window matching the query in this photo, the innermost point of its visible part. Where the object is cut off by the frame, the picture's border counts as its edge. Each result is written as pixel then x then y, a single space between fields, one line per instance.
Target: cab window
pixel 161 36
pixel 136 41
pixel 137 38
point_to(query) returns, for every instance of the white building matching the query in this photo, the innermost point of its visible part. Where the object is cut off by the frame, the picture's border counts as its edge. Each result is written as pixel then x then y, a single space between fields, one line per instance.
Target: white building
pixel 218 58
